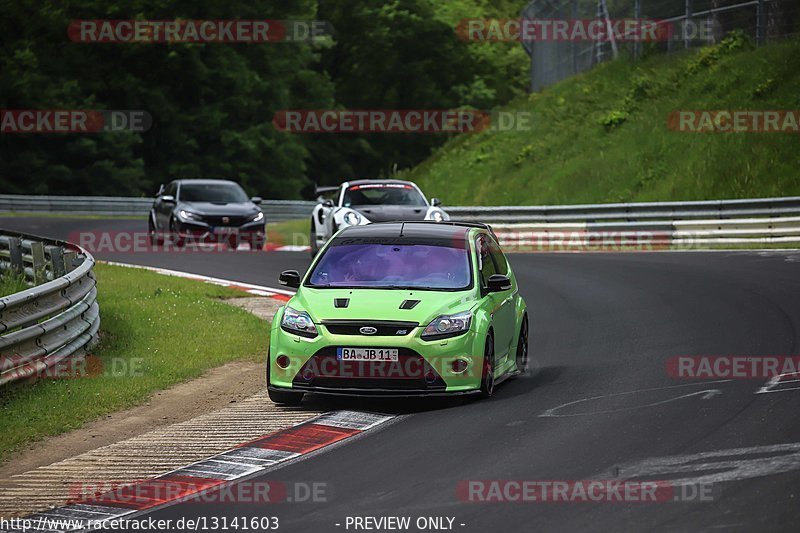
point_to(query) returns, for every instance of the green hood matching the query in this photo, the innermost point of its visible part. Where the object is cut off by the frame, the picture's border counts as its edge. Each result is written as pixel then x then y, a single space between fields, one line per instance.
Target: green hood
pixel 372 304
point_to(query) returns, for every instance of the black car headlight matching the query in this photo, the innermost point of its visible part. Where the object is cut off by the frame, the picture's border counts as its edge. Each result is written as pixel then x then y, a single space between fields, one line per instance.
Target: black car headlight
pixel 445 326
pixel 298 323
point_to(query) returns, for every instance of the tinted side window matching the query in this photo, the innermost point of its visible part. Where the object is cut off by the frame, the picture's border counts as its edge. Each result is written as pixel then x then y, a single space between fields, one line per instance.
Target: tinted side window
pixel 485 262
pixel 500 262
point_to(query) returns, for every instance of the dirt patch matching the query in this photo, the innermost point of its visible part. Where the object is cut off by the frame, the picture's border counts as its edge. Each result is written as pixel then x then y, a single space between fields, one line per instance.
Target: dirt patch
pixel 261 307
pixel 217 388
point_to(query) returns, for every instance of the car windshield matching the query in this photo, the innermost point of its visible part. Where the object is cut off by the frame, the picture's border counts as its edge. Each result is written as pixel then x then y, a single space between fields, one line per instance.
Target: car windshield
pixel 383 194
pixel 226 193
pixel 394 266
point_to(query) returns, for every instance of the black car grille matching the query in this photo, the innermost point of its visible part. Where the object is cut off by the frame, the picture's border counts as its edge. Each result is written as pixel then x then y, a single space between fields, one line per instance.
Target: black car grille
pixel 383 328
pixel 220 220
pixel 410 373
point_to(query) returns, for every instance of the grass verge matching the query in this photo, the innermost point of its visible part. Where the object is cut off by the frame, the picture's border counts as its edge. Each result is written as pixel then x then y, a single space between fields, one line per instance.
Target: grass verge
pixel 290 232
pixel 156 331
pixel 603 136
pixel 10 284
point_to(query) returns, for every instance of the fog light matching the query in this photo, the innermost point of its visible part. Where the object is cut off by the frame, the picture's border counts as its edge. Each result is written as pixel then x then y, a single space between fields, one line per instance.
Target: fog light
pixel 459 365
pixel 430 377
pixel 283 361
pixel 308 374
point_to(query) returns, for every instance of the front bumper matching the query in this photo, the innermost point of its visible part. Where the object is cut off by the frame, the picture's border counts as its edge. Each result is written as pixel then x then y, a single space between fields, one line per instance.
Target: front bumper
pixel 424 368
pixel 202 232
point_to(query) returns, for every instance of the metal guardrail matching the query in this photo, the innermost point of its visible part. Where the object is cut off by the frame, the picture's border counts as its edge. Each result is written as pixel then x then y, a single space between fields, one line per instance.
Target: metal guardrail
pixel 630 212
pixel 762 213
pixel 58 317
pixel 275 210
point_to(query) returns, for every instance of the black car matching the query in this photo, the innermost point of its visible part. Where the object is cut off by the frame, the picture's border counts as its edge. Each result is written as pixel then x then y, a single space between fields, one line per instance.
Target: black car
pixel 206 211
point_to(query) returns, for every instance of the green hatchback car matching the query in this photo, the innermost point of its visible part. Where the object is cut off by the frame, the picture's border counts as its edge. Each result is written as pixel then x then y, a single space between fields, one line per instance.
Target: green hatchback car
pixel 400 309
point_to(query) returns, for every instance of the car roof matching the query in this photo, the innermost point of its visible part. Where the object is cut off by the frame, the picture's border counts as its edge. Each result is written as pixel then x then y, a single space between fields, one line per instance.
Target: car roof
pixel 416 229
pixel 394 182
pixel 204 181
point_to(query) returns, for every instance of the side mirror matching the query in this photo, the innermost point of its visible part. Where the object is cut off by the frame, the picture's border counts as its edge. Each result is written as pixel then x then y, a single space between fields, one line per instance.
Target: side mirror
pixel 327 203
pixel 435 202
pixel 168 199
pixel 290 278
pixel 160 191
pixel 498 283
pixel 256 200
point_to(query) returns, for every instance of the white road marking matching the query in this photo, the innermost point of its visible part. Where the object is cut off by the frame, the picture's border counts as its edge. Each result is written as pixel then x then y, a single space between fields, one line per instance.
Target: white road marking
pixel 705 394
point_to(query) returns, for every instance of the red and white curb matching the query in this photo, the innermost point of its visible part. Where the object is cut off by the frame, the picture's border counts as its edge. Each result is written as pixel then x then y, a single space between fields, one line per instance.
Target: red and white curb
pixel 213 473
pixel 256 290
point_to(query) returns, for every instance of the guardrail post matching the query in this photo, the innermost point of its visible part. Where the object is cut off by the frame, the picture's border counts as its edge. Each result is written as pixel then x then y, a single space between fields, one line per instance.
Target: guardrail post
pixel 15 255
pixel 56 254
pixel 39 263
pixel 69 261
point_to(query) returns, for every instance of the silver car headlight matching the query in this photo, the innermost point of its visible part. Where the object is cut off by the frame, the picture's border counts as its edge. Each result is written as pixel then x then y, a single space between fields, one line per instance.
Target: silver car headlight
pixel 437 216
pixel 351 218
pixel 445 326
pixel 258 217
pixel 298 322
pixel 188 215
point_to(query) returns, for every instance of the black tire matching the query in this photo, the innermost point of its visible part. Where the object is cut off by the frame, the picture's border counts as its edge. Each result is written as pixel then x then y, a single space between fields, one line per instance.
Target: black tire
pixel 487 376
pixel 175 236
pixel 257 243
pixel 312 240
pixel 155 240
pixel 522 347
pixel 288 398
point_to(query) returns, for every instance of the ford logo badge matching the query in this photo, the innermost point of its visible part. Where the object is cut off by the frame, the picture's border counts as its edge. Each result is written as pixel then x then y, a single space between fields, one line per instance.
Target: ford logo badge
pixel 368 330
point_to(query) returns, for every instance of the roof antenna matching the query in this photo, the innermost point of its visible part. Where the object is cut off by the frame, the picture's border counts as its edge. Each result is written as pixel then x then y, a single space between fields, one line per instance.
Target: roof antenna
pixel 402 225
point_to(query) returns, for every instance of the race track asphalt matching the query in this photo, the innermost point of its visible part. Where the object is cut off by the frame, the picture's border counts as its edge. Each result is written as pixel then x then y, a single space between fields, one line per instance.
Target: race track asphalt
pixel 603 329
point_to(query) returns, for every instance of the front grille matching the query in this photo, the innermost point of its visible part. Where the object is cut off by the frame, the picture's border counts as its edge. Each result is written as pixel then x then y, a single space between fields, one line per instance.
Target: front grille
pixel 410 373
pixel 217 220
pixel 383 328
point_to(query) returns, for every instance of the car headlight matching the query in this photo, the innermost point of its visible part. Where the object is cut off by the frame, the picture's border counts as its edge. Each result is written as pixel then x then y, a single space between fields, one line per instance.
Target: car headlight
pixel 437 216
pixel 188 215
pixel 257 217
pixel 351 218
pixel 446 326
pixel 298 322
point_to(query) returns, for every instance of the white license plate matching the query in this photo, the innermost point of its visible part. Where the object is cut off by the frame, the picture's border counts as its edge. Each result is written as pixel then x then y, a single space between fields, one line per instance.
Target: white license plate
pixel 367 354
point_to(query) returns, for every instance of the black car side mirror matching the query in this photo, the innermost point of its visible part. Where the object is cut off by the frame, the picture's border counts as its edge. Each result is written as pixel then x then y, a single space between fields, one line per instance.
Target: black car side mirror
pixel 160 191
pixel 327 203
pixel 498 283
pixel 435 202
pixel 168 199
pixel 256 200
pixel 290 278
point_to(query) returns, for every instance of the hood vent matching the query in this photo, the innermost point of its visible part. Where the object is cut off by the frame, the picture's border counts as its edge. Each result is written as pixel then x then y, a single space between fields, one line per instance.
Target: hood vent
pixel 341 303
pixel 409 304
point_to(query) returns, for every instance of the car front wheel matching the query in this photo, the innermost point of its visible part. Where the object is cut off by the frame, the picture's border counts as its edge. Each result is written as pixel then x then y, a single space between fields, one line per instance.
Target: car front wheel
pixel 522 347
pixel 487 377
